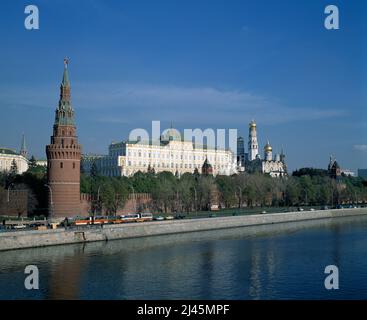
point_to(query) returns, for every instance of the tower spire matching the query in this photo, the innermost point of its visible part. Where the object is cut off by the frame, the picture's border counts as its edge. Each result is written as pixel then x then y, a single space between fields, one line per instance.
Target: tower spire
pixel 23 148
pixel 65 79
pixel 65 113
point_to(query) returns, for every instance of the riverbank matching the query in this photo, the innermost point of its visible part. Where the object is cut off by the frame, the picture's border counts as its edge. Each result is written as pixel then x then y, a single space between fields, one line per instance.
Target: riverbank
pixel 41 238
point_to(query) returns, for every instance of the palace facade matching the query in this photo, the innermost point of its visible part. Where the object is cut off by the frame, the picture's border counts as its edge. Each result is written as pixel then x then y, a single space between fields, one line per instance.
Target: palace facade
pixel 9 157
pixel 170 153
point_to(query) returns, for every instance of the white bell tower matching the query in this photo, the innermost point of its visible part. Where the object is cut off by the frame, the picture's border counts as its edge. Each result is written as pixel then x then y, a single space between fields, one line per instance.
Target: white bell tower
pixel 253 147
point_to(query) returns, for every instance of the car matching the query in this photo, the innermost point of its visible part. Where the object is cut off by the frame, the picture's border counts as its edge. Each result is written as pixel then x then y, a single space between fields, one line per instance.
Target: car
pixel 180 216
pixel 263 212
pixel 312 209
pixel 169 217
pixel 324 208
pixel 159 218
pixel 19 226
pixel 300 209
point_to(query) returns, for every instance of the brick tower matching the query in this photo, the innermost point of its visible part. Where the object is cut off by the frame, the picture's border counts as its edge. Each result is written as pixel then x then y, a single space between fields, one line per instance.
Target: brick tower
pixel 63 158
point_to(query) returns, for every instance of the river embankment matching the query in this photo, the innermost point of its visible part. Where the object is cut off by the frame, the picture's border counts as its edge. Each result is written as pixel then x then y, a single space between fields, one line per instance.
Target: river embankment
pixel 41 238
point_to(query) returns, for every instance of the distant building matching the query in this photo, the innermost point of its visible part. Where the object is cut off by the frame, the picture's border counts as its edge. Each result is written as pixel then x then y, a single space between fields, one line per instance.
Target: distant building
pixel 7 156
pixel 207 168
pixel 252 162
pixel 41 163
pixel 23 148
pixel 362 173
pixel 334 169
pixel 348 172
pixel 170 153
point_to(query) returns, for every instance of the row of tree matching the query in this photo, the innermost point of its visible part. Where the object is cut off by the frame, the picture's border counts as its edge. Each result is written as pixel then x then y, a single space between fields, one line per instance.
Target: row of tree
pixel 33 181
pixel 195 192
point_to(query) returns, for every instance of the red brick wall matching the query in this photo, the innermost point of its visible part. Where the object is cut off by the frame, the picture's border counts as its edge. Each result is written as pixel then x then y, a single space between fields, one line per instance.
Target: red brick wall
pixel 139 200
pixel 17 205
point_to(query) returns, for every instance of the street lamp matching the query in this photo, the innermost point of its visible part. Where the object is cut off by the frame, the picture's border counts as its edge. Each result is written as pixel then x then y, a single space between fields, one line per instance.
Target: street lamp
pixel 240 197
pixel 306 196
pixel 51 201
pixel 196 209
pixel 134 198
pixel 8 198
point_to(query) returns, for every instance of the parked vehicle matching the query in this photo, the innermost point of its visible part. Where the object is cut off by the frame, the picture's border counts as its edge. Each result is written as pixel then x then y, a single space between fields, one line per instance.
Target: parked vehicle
pixel 169 218
pixel 159 218
pixel 180 216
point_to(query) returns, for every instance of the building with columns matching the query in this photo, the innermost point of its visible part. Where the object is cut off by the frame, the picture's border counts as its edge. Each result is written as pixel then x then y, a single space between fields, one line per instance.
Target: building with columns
pixel 63 157
pixel 170 153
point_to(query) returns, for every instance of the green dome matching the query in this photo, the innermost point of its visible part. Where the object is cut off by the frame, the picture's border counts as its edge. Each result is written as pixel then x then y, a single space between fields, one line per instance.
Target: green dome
pixel 171 135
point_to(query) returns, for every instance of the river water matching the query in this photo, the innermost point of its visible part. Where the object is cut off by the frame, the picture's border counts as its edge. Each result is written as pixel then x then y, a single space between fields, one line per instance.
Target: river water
pixel 283 261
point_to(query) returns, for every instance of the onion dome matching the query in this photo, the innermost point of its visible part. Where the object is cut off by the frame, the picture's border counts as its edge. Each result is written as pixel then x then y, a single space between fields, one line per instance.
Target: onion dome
pixel 268 147
pixel 252 124
pixel 171 135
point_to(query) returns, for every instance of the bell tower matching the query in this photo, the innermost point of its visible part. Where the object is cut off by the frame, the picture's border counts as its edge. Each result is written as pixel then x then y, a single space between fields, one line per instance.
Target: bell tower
pixel 253 147
pixel 63 157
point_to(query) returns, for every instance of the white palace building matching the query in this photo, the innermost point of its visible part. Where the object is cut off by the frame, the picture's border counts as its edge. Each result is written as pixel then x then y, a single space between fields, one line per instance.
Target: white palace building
pixel 173 154
pixel 170 153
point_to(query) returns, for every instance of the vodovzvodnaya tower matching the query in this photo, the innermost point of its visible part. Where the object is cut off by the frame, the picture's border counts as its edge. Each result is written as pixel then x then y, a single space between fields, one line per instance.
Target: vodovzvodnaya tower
pixel 63 157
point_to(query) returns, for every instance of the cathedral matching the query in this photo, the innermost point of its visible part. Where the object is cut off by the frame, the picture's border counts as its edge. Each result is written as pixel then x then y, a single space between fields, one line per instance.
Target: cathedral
pixel 252 162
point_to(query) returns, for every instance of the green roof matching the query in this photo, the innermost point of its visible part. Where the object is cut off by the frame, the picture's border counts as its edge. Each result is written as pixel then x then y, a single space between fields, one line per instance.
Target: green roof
pixel 8 151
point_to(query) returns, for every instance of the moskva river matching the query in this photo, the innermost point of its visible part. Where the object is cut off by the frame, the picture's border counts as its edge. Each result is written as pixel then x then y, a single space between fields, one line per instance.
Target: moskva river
pixel 283 261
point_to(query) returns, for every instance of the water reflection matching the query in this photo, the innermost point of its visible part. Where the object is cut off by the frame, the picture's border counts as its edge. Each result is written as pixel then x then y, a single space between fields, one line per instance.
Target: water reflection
pixel 271 261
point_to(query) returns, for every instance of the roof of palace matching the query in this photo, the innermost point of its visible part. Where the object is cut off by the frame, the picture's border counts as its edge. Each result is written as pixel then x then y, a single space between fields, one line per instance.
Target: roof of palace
pixel 8 151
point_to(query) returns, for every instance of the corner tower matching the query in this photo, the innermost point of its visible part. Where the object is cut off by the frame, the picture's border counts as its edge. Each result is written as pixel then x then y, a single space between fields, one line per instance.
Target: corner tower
pixel 63 157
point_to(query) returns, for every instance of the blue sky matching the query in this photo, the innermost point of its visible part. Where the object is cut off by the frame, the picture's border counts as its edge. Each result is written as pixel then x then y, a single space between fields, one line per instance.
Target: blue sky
pixel 197 63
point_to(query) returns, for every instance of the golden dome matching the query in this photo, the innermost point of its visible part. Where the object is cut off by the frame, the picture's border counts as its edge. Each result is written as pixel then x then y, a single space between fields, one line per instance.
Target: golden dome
pixel 268 147
pixel 252 124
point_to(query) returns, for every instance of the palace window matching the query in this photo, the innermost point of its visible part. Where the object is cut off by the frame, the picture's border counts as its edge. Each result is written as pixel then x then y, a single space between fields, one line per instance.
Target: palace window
pixel 61 165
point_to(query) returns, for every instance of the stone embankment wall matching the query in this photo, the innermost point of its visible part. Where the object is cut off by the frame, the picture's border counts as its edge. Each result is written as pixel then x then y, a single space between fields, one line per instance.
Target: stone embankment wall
pixel 26 239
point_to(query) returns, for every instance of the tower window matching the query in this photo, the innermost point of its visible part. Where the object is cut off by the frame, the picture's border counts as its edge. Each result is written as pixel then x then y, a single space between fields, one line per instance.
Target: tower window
pixel 61 165
pixel 73 165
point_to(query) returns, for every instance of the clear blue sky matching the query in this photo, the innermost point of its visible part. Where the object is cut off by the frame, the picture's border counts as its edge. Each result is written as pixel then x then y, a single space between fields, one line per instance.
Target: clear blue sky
pixel 198 63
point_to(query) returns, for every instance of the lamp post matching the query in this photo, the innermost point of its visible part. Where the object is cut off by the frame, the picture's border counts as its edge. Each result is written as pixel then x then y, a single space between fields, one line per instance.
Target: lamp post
pixel 8 198
pixel 134 198
pixel 196 209
pixel 98 192
pixel 306 196
pixel 51 201
pixel 240 198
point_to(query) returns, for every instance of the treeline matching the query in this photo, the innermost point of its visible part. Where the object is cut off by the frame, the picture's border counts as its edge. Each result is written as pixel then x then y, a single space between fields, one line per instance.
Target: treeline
pixel 33 181
pixel 196 192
